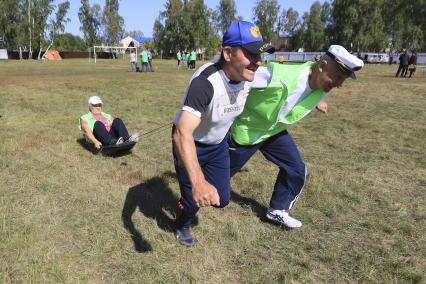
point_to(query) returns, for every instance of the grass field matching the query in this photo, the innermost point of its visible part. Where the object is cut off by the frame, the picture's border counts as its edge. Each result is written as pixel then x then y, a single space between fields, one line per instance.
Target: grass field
pixel 69 216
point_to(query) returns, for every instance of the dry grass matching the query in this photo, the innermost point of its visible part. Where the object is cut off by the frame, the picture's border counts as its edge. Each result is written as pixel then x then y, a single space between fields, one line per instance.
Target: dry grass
pixel 69 216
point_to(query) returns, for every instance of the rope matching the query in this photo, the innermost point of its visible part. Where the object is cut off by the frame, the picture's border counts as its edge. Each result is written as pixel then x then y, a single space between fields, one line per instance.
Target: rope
pixel 156 130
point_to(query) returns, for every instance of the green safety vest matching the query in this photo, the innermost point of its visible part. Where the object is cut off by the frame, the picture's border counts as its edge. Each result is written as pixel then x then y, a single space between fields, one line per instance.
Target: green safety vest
pixel 193 55
pixel 144 56
pixel 179 57
pixel 261 117
pixel 90 119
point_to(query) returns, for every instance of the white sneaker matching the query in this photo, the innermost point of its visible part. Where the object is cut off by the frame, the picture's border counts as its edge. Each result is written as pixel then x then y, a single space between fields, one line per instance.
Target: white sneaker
pixel 134 137
pixel 282 217
pixel 119 141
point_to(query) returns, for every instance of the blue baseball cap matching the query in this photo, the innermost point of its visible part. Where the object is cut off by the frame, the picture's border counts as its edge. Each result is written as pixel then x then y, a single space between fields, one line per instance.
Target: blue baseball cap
pixel 247 35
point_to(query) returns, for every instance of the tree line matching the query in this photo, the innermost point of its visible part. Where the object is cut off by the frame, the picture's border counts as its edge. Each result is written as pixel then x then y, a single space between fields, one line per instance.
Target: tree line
pixel 359 25
pixel 39 24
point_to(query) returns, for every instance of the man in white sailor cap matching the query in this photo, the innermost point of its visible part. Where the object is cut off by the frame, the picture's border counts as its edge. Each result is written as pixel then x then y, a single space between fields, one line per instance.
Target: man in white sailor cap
pixel 282 95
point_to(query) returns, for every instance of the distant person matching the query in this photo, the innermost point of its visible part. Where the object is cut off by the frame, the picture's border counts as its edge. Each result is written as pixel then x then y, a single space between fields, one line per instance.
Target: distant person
pixel 281 59
pixel 101 128
pixel 403 64
pixel 412 63
pixel 183 58
pixel 179 58
pixel 144 60
pixel 266 58
pixel 150 67
pixel 133 61
pixel 188 60
pixel 193 58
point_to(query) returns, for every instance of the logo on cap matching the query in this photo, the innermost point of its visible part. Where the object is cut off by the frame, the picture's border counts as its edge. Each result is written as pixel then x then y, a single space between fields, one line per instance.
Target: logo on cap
pixel 255 32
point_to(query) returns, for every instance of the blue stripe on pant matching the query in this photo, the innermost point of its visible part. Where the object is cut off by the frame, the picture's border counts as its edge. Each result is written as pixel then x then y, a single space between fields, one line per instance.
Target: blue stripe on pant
pixel 282 151
pixel 214 162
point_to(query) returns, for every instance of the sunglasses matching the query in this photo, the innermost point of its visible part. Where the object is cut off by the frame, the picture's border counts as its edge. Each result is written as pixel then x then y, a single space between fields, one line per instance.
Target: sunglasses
pixel 97 105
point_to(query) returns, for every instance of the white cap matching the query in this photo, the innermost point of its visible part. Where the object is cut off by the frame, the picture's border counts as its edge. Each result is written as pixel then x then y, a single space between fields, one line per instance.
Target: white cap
pixel 94 100
pixel 346 61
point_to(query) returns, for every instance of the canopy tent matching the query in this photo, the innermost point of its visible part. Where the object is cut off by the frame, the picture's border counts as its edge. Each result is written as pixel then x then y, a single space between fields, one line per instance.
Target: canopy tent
pixel 135 41
pixel 52 55
pixel 129 41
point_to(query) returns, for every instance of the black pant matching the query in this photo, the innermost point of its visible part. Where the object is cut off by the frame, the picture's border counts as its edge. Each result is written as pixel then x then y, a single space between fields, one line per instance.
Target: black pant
pixel 144 66
pixel 118 129
pixel 403 69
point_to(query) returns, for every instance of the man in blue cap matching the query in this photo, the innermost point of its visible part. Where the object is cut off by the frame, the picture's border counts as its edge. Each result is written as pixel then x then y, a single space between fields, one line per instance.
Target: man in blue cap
pixel 283 95
pixel 215 96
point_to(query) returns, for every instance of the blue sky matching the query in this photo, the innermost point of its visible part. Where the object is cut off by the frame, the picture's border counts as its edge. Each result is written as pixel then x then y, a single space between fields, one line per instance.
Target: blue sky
pixel 141 14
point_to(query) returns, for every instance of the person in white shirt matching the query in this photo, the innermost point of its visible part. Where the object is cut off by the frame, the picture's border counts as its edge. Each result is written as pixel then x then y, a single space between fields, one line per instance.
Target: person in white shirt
pixel 133 61
pixel 215 96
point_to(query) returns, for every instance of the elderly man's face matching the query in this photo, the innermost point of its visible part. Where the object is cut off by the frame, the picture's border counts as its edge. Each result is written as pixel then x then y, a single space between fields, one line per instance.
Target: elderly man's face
pixel 243 64
pixel 331 76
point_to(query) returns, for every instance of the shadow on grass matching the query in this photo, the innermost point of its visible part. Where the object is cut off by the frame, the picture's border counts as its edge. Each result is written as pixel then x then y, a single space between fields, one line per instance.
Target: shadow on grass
pixel 91 148
pixel 256 207
pixel 153 198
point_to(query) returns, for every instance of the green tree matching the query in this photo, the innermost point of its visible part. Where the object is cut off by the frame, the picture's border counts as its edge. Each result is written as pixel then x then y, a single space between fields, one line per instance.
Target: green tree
pixel 10 20
pixel 185 25
pixel 112 22
pixel 199 24
pixel 265 16
pixel 134 33
pixel 226 14
pixel 314 34
pixel 298 39
pixel 175 33
pixel 359 24
pixel 289 21
pixel 40 11
pixel 405 23
pixel 69 42
pixel 158 34
pixel 89 23
pixel 57 25
pixel 327 21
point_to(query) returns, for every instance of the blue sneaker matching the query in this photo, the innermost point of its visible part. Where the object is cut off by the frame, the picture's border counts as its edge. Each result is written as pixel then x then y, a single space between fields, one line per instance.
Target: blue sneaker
pixel 184 236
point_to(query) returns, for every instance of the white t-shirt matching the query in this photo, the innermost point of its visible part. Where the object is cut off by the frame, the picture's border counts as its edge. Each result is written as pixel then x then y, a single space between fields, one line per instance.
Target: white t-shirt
pixel 216 100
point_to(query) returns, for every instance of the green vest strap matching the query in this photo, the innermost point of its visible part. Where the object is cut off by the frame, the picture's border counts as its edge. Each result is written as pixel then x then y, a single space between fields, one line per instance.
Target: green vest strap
pixel 261 117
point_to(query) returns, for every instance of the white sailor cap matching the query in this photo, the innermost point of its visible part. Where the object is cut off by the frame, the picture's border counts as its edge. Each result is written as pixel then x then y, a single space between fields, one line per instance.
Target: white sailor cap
pixel 347 62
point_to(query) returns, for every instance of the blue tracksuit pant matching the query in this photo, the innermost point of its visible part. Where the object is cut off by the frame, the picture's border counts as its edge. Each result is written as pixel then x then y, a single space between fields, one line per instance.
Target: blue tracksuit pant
pixel 282 151
pixel 214 162
pixel 118 129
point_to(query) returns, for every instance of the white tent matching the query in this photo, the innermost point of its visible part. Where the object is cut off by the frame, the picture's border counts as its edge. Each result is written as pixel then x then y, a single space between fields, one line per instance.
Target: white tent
pixel 125 42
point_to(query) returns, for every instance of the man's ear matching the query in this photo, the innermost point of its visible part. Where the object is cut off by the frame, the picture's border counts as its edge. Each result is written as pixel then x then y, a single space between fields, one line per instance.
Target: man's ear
pixel 227 53
pixel 322 65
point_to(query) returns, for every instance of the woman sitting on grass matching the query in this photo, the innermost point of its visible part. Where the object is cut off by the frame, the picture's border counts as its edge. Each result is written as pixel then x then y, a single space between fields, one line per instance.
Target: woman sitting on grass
pixel 101 128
